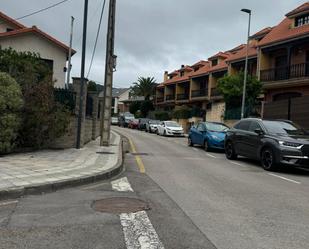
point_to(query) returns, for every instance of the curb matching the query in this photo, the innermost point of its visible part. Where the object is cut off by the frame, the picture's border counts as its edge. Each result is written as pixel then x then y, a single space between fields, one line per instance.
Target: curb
pixel 15 193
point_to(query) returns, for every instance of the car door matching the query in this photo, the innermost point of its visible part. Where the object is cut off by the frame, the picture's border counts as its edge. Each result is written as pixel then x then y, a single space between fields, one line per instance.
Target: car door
pixel 241 137
pixel 254 139
pixel 200 131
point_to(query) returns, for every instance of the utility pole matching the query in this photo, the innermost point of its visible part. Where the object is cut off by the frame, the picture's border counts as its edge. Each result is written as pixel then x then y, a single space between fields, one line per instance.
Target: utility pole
pixel 82 77
pixel 110 66
pixel 70 53
pixel 246 66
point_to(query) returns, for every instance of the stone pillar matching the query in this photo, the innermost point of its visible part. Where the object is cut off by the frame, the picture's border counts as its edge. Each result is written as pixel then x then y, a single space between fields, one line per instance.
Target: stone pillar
pixel 77 88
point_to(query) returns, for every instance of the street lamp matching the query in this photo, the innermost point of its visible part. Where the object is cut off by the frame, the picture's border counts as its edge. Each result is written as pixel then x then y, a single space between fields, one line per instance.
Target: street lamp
pixel 246 66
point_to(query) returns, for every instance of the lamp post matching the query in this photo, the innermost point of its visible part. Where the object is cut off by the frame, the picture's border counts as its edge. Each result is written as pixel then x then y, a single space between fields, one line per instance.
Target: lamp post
pixel 246 66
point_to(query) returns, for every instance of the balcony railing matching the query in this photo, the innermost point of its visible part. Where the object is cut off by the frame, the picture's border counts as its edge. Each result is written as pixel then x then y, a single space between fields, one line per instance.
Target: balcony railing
pixel 285 73
pixel 160 99
pixel 183 96
pixel 170 97
pixel 215 92
pixel 199 93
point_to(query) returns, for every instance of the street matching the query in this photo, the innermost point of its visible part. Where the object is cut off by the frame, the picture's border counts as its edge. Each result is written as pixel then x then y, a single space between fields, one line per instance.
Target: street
pixel 196 200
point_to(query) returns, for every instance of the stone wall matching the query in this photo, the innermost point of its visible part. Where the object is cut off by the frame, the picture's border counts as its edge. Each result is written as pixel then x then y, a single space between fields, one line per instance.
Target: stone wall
pixel 216 113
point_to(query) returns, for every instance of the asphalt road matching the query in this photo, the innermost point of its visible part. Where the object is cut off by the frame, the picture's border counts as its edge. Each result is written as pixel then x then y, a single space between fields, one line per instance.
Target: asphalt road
pixel 235 204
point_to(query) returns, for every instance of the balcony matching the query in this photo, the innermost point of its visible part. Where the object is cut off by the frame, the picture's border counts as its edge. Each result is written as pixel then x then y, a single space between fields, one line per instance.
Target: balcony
pixel 183 96
pixel 215 93
pixel 285 73
pixel 170 97
pixel 160 99
pixel 199 93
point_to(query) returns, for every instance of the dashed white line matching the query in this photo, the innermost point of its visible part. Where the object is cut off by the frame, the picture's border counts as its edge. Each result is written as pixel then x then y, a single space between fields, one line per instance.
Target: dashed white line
pixel 122 185
pixel 195 149
pixel 284 178
pixel 137 228
pixel 239 164
pixel 8 203
pixel 210 155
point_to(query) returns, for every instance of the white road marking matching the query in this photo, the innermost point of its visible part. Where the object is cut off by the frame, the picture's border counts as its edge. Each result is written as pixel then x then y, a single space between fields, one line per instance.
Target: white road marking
pixel 8 203
pixel 284 178
pixel 239 164
pixel 122 185
pixel 210 155
pixel 138 231
pixel 195 149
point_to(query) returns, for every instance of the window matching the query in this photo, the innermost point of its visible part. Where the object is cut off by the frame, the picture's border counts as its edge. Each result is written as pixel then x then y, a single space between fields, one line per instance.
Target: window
pixel 214 62
pixel 243 125
pixel 200 127
pixel 302 20
pixel 9 30
pixel 254 125
pixel 182 73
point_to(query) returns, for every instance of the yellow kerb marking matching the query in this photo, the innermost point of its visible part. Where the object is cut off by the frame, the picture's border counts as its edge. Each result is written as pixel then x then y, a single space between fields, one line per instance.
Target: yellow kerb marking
pixel 138 159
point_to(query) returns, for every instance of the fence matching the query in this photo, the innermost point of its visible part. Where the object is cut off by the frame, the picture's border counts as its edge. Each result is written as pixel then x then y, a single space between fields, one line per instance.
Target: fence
pixel 235 112
pixel 294 109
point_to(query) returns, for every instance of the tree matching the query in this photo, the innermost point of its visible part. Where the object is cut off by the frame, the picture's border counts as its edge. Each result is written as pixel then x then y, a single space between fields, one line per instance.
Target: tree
pixel 134 107
pixel 92 86
pixel 10 106
pixel 231 86
pixel 144 87
pixel 146 107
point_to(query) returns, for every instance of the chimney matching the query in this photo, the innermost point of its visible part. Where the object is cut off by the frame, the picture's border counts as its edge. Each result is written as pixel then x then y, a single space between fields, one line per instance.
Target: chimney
pixel 182 66
pixel 165 76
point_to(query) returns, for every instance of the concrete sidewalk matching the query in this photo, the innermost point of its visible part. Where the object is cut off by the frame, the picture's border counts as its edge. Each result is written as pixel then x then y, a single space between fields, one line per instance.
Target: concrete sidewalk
pixel 49 170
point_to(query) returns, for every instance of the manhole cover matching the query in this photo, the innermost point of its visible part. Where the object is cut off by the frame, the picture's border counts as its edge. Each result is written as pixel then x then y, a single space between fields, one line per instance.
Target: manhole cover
pixel 139 154
pixel 119 205
pixel 105 152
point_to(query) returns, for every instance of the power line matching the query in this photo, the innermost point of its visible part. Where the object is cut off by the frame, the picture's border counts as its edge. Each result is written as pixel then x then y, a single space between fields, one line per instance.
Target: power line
pixel 41 10
pixel 97 37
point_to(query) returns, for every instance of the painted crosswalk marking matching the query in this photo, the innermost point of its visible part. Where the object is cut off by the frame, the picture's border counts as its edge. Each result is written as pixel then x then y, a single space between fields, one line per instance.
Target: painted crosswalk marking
pixel 138 231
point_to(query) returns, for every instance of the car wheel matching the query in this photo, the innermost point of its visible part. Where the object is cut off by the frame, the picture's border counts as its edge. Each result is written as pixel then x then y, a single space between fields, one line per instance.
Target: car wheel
pixel 190 142
pixel 230 151
pixel 268 159
pixel 206 147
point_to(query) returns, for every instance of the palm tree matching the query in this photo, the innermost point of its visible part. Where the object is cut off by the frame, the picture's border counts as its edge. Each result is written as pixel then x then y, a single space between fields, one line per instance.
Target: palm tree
pixel 144 87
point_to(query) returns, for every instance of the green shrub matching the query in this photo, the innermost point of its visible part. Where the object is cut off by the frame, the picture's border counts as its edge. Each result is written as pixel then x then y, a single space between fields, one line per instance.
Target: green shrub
pixel 182 112
pixel 146 107
pixel 10 105
pixel 134 107
pixel 160 115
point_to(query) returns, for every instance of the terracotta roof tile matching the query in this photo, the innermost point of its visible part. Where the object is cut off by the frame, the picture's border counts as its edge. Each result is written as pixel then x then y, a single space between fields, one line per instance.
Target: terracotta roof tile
pixel 220 54
pixel 241 54
pixel 262 32
pixel 35 30
pixel 11 20
pixel 283 31
pixel 302 8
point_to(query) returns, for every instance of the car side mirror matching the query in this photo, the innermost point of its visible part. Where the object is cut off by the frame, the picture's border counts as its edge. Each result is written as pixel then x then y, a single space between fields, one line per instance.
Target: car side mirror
pixel 259 131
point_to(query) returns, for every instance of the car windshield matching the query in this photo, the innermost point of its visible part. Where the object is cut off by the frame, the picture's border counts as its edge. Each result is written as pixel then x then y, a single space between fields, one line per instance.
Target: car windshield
pixel 283 128
pixel 129 115
pixel 216 127
pixel 172 124
pixel 154 122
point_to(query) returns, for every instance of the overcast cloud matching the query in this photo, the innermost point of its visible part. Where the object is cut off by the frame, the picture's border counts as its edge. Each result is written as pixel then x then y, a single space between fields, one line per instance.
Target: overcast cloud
pixel 153 35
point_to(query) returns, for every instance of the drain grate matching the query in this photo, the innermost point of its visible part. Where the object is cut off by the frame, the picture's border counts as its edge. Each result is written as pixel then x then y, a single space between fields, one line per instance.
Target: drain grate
pixel 139 154
pixel 105 152
pixel 119 205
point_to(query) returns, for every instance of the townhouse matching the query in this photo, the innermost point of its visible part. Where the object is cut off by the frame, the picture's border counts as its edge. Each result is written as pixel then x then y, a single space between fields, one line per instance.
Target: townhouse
pixel 278 56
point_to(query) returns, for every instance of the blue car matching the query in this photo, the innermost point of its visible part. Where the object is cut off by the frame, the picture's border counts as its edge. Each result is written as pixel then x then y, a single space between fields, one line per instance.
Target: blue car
pixel 208 134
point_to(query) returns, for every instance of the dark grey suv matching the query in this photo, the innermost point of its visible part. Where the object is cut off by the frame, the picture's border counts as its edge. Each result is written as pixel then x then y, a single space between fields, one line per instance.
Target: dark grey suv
pixel 272 142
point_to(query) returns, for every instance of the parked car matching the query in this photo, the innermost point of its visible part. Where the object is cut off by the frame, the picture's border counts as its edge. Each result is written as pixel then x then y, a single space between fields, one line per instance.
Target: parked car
pixel 151 126
pixel 142 123
pixel 170 128
pixel 125 118
pixel 208 134
pixel 114 121
pixel 273 142
pixel 133 124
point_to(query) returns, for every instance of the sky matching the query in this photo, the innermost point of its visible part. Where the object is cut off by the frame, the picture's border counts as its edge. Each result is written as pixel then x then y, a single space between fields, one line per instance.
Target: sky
pixel 152 36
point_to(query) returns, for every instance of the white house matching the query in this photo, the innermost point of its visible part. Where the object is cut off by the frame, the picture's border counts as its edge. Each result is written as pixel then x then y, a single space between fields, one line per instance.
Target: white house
pixel 21 38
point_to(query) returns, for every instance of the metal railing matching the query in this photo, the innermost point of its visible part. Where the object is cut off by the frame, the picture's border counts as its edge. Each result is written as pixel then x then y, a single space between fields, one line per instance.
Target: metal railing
pixel 170 97
pixel 183 96
pixel 284 73
pixel 215 92
pixel 199 93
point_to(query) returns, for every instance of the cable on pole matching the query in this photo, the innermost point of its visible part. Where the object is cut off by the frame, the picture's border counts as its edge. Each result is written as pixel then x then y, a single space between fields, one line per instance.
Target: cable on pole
pixel 96 40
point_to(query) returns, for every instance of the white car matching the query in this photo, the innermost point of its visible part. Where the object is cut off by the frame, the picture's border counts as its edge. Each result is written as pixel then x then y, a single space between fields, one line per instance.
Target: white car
pixel 114 121
pixel 151 126
pixel 170 128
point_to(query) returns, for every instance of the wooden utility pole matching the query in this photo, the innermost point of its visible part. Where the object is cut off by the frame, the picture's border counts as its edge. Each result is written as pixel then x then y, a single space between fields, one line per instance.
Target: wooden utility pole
pixel 110 66
pixel 70 53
